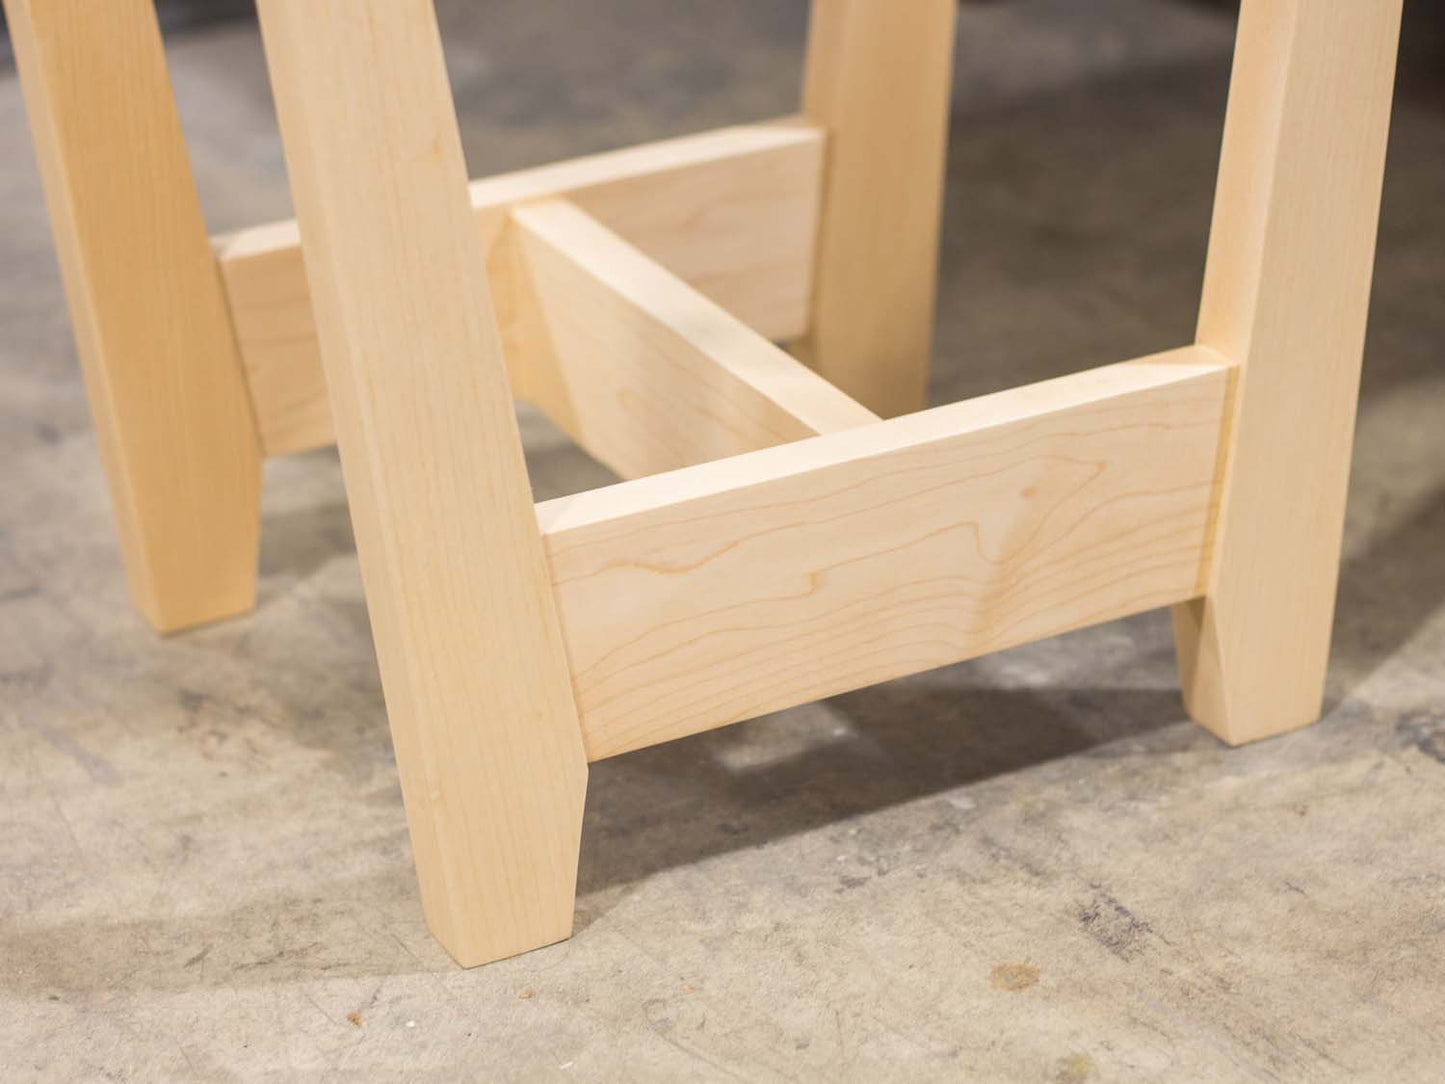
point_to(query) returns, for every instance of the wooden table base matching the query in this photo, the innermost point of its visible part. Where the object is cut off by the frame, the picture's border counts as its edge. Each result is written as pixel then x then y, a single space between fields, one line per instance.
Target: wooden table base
pixel 787 531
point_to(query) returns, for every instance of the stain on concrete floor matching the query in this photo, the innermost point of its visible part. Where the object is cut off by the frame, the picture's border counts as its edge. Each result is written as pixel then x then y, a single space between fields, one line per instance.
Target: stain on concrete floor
pixel 1029 867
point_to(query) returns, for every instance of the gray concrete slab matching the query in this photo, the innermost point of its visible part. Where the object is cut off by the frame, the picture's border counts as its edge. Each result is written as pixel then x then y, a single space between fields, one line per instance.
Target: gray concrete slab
pixel 1027 867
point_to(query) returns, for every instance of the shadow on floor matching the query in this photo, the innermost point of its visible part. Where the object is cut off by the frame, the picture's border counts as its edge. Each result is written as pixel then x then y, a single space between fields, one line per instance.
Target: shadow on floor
pixel 678 803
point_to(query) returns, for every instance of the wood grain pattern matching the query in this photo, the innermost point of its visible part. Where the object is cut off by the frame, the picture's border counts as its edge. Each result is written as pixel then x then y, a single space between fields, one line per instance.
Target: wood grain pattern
pixel 879 78
pixel 1286 294
pixel 472 662
pixel 698 598
pixel 732 212
pixel 162 375
pixel 640 369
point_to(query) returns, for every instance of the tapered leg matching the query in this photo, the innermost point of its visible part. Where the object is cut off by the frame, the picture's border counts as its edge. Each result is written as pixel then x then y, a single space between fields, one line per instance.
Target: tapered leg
pixel 1286 292
pixel 162 372
pixel 472 662
pixel 879 78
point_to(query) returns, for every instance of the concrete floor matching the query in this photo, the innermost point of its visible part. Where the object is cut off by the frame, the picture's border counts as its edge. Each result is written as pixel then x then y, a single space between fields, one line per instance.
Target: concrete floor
pixel 1028 867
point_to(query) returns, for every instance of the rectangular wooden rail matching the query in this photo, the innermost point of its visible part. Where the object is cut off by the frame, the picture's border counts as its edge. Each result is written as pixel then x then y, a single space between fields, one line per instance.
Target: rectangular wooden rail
pixel 733 213
pixel 709 595
pixel 637 367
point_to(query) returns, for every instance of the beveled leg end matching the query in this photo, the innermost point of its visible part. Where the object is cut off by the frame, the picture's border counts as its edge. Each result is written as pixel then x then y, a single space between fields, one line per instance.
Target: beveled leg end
pixel 1276 692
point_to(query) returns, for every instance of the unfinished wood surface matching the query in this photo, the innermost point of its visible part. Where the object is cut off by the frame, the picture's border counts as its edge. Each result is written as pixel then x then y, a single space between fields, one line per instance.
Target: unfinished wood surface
pixel 1286 294
pixel 640 369
pixel 165 385
pixel 879 78
pixel 472 663
pixel 694 599
pixel 732 212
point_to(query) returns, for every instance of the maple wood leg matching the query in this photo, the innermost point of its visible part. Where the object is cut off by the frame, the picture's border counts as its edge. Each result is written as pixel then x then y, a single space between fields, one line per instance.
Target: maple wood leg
pixel 166 389
pixel 879 78
pixel 477 685
pixel 1286 293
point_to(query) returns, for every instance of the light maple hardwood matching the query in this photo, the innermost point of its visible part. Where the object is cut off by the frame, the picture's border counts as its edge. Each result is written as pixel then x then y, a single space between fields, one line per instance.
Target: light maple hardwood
pixel 643 371
pixel 879 78
pixel 702 597
pixel 472 662
pixel 164 381
pixel 779 543
pixel 732 212
pixel 1286 294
